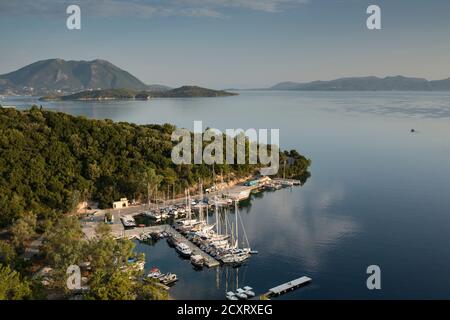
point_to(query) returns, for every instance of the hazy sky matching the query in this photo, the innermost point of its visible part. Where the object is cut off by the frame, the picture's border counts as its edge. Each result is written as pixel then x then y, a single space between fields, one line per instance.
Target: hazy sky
pixel 233 43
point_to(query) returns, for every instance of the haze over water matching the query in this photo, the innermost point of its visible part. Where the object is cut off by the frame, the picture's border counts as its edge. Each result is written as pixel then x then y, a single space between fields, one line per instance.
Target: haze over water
pixel 378 194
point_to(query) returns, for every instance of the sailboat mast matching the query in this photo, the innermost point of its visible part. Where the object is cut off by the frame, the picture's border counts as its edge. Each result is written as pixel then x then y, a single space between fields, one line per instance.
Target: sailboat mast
pixel 245 233
pixel 233 240
pixel 156 199
pixel 207 214
pixel 214 177
pixel 189 205
pixel 217 216
pixel 237 228
pixel 226 222
pixel 148 194
pixel 237 278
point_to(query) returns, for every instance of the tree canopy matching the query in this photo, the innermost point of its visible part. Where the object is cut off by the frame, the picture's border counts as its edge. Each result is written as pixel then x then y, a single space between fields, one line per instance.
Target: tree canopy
pixel 50 162
pixel 12 287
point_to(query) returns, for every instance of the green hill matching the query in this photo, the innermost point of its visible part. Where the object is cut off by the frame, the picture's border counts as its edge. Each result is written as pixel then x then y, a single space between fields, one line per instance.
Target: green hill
pixel 125 94
pixel 51 161
pixel 397 83
pixel 192 91
pixel 57 75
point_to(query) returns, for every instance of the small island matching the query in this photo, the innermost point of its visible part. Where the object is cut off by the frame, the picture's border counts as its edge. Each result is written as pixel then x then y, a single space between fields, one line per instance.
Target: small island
pixel 128 94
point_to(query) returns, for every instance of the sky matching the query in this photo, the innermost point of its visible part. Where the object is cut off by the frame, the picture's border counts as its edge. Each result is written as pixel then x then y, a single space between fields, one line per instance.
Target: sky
pixel 233 43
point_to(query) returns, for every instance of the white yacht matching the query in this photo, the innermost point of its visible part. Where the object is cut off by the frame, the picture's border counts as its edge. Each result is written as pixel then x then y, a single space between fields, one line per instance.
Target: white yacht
pixel 183 250
pixel 128 221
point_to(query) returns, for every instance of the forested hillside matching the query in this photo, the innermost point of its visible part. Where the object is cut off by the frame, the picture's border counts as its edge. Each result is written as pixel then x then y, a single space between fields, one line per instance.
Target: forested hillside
pixel 49 162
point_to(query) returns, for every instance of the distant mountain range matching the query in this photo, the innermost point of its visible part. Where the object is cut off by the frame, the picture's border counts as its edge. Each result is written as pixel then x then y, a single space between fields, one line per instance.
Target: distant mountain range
pixel 397 83
pixel 57 76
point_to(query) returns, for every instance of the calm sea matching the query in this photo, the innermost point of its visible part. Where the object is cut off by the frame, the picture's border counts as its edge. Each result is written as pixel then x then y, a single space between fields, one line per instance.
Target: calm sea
pixel 378 194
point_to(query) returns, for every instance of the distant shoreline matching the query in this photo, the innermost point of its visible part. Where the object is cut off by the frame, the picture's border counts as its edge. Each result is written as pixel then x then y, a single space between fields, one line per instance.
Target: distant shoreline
pixel 126 94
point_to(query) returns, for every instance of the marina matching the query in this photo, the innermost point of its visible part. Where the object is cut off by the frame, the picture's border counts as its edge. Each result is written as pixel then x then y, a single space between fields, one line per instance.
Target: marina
pixel 224 151
pixel 207 231
pixel 185 247
pixel 219 242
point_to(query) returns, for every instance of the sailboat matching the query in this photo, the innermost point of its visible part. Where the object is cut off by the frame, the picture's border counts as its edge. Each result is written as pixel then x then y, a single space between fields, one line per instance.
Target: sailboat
pixel 187 224
pixel 235 255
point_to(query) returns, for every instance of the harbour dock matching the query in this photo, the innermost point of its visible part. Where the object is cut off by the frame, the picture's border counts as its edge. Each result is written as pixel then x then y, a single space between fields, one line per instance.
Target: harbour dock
pixel 210 262
pixel 238 192
pixel 123 225
pixel 288 181
pixel 288 286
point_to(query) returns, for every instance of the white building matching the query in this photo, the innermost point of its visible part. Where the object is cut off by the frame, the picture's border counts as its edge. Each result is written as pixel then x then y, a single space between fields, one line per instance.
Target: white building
pixel 123 203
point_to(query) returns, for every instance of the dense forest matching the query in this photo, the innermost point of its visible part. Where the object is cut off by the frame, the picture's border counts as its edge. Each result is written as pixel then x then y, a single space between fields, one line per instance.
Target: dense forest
pixel 49 162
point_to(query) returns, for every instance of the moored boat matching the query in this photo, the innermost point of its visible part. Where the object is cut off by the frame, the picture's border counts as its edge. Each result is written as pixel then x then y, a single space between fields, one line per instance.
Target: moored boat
pixel 128 221
pixel 197 260
pixel 249 291
pixel 171 241
pixel 183 250
pixel 153 215
pixel 154 273
pixel 241 294
pixel 168 279
pixel 231 296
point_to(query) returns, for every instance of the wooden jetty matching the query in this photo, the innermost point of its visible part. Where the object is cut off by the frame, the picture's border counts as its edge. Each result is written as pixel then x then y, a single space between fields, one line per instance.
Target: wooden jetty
pixel 293 182
pixel 210 262
pixel 288 286
pixel 239 193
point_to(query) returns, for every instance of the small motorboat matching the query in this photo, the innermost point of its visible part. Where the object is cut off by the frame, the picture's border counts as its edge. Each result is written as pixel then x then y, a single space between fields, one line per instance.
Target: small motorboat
pixel 231 296
pixel 168 279
pixel 197 260
pixel 143 237
pixel 173 213
pixel 249 291
pixel 154 273
pixel 164 215
pixel 241 294
pixel 248 250
pixel 128 221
